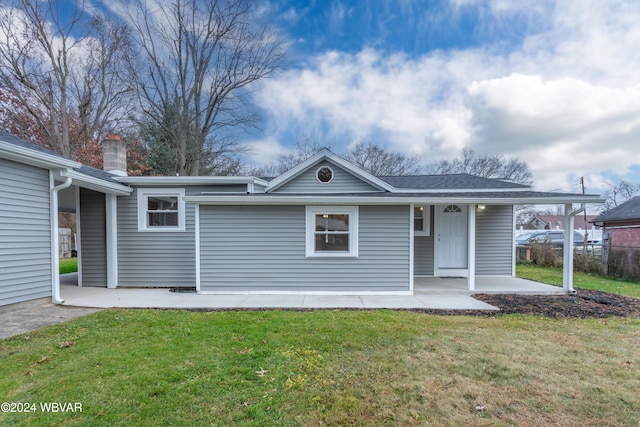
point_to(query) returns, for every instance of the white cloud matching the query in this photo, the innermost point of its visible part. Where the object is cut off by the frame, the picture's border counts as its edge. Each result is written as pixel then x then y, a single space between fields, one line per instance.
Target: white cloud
pixel 369 96
pixel 266 150
pixel 558 126
pixel 566 101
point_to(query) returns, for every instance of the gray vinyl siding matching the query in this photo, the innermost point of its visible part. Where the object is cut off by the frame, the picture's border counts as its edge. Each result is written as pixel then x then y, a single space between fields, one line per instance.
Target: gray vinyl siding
pixel 93 251
pixel 250 248
pixel 342 182
pixel 423 250
pixel 25 233
pixel 150 259
pixel 494 241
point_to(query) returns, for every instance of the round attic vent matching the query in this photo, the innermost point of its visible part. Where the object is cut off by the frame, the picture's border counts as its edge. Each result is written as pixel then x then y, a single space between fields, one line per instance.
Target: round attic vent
pixel 324 174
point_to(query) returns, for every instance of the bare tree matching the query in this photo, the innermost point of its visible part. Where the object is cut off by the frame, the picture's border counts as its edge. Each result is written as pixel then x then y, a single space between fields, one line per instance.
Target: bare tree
pixel 59 67
pixel 380 161
pixel 619 193
pixel 198 60
pixel 373 158
pixel 487 166
pixel 304 149
pixel 104 97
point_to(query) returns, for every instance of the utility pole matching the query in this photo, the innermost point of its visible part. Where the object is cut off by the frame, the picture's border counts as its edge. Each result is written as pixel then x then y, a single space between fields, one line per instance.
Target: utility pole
pixel 586 230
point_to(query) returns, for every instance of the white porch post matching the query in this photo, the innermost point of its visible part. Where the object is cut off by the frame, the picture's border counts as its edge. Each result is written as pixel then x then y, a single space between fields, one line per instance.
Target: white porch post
pixel 197 241
pixel 567 259
pixel 112 240
pixel 411 246
pixel 79 236
pixel 471 250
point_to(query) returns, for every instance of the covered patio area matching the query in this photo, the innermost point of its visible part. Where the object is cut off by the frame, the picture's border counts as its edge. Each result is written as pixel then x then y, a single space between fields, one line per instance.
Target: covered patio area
pixel 483 285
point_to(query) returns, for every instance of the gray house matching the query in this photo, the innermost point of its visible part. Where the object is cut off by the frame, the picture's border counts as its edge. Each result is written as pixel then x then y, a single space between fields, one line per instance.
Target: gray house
pixel 325 226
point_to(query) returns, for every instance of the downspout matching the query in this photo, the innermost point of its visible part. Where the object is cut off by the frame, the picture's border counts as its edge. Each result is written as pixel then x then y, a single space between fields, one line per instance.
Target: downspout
pixel 55 262
pixel 567 261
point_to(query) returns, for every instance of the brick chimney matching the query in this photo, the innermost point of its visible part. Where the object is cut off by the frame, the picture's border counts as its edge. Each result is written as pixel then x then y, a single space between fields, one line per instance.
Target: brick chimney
pixel 115 155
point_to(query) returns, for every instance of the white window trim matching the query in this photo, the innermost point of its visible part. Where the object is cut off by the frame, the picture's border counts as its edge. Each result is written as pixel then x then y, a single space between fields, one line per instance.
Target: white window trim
pixel 426 217
pixel 143 195
pixel 312 211
pixel 333 174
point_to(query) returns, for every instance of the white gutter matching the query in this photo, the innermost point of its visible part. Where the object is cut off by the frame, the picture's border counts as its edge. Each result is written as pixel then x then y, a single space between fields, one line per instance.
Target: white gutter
pixel 55 261
pixel 567 261
pixel 190 180
pixel 96 184
pixel 319 199
pixel 33 157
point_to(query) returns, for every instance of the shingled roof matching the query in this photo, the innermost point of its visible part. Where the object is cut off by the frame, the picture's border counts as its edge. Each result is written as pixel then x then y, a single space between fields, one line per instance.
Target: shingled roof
pixel 627 211
pixel 451 181
pixel 12 139
pixel 85 170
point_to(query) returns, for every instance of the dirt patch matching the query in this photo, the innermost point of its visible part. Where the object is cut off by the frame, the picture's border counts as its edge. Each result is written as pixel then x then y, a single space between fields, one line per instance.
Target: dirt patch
pixel 584 304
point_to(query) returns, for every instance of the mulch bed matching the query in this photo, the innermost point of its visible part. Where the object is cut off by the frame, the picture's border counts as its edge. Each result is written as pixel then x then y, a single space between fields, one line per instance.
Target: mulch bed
pixel 584 304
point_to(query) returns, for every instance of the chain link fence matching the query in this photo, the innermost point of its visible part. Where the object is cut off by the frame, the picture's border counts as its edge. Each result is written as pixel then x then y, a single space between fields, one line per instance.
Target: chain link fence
pixel 622 261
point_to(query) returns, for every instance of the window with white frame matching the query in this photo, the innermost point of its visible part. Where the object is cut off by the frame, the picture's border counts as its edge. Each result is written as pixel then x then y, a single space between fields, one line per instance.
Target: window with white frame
pixel 332 231
pixel 422 220
pixel 161 209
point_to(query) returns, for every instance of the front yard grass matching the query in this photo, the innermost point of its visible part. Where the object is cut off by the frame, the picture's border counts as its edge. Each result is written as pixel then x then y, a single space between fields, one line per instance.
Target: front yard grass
pixel 553 276
pixel 331 367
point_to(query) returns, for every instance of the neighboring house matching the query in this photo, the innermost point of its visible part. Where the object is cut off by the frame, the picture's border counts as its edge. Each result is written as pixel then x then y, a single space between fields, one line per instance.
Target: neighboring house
pixel 556 222
pixel 325 226
pixel 622 224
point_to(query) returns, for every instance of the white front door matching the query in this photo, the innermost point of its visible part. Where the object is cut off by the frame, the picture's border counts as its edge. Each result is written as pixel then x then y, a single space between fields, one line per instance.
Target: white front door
pixel 451 240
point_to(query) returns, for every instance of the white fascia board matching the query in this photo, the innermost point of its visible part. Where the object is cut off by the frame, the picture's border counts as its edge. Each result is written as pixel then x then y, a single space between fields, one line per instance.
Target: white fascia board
pixel 326 154
pixel 96 184
pixel 190 180
pixel 461 190
pixel 364 200
pixel 35 158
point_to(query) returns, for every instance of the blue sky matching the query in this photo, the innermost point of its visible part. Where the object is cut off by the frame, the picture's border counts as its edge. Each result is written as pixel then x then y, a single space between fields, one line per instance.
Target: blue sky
pixel 554 83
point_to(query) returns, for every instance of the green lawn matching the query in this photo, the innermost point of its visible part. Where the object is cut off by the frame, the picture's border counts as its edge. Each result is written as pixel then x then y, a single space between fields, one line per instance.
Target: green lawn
pixel 553 276
pixel 68 265
pixel 332 367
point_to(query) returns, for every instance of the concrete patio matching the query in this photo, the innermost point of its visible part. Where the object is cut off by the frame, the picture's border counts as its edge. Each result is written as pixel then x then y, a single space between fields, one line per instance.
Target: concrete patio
pixel 484 285
pixel 430 293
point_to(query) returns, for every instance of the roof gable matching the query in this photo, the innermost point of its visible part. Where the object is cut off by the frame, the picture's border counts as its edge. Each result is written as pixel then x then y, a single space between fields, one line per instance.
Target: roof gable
pixel 327 156
pixel 342 181
pixel 553 221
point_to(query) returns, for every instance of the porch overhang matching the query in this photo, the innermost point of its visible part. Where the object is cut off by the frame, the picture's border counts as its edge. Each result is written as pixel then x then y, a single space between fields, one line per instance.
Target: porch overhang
pixel 93 183
pixel 486 198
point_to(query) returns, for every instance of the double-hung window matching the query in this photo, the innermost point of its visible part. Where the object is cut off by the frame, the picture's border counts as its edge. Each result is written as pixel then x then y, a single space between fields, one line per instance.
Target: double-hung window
pixel 332 231
pixel 161 209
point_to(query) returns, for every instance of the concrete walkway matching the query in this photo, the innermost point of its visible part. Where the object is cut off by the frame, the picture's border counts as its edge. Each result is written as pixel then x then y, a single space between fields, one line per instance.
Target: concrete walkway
pixel 25 317
pixel 163 298
pixel 429 293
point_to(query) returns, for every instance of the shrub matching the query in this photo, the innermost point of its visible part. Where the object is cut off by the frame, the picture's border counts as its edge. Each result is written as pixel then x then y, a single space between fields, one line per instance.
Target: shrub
pixel 591 264
pixel 546 255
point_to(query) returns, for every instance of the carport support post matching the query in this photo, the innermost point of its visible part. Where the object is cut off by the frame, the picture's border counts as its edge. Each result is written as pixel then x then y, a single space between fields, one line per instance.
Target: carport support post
pixel 112 240
pixel 567 250
pixel 471 260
